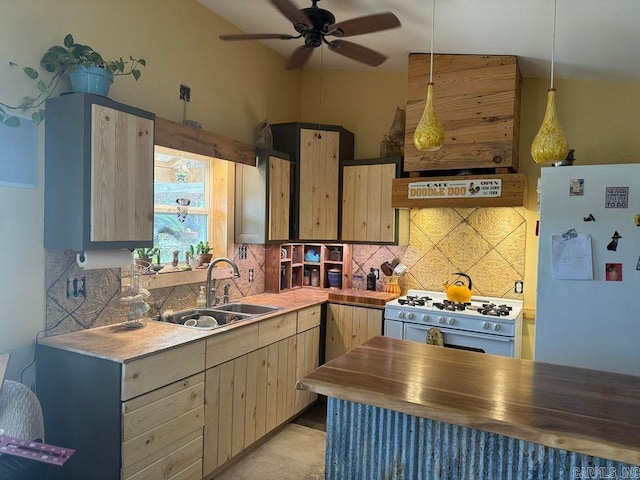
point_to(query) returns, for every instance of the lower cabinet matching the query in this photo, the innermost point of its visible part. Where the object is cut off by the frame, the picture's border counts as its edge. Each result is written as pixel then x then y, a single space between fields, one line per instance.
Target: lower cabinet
pixel 249 395
pixel 349 327
pixel 140 420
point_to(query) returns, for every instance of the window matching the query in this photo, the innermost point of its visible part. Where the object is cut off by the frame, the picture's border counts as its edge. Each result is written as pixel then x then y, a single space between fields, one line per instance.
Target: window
pixel 182 201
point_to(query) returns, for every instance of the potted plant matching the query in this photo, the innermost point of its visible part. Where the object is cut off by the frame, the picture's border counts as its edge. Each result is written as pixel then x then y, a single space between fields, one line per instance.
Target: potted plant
pixel 88 71
pixel 202 250
pixel 144 256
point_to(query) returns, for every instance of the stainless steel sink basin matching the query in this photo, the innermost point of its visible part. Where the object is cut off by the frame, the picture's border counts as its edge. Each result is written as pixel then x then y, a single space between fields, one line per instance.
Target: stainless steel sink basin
pixel 246 308
pixel 198 316
pixel 222 314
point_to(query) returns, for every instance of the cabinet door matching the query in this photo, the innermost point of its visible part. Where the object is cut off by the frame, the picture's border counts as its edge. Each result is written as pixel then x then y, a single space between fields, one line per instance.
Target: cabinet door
pixel 367 214
pixel 308 358
pixel 349 327
pixel 121 176
pixel 319 161
pixel 279 191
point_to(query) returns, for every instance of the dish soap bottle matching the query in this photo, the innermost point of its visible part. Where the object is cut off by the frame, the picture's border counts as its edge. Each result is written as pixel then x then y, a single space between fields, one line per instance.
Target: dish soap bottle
pixel 201 302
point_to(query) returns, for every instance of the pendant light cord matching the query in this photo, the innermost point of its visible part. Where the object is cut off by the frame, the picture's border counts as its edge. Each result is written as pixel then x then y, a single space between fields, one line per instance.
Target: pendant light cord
pixel 433 29
pixel 553 42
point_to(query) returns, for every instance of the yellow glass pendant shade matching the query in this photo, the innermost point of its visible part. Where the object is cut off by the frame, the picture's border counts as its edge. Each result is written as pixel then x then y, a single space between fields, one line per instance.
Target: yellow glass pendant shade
pixel 550 144
pixel 429 134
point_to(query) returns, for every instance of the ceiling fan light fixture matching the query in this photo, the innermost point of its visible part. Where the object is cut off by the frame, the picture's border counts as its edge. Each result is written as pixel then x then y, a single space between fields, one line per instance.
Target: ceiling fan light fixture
pixel 550 145
pixel 429 134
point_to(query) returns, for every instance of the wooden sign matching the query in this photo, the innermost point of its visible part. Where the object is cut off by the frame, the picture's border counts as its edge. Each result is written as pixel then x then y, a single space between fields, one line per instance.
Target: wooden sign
pixel 487 187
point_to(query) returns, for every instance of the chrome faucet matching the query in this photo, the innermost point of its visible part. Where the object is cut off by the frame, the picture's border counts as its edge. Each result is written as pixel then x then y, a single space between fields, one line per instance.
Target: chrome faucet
pixel 236 274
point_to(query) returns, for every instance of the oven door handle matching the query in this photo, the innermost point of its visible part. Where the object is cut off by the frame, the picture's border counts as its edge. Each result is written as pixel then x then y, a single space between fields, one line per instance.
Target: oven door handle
pixel 485 336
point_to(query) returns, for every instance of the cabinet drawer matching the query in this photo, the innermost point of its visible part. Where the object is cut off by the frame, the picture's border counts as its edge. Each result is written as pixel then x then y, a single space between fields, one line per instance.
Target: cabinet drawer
pixel 308 318
pixel 228 345
pixel 149 411
pixel 139 449
pixel 277 328
pixel 172 462
pixel 148 373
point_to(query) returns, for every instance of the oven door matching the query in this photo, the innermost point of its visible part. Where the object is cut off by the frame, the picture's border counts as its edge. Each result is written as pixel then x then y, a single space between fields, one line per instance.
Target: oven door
pixel 476 342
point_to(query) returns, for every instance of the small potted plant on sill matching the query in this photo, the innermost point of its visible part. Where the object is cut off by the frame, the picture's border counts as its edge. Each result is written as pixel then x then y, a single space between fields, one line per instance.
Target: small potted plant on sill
pixel 88 71
pixel 144 257
pixel 202 250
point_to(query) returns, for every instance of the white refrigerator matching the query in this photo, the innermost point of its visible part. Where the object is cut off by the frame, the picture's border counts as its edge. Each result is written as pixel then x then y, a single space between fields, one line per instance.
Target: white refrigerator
pixel 588 292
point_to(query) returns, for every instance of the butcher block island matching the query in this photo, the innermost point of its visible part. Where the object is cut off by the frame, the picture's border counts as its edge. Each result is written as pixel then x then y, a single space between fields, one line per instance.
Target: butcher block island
pixel 399 409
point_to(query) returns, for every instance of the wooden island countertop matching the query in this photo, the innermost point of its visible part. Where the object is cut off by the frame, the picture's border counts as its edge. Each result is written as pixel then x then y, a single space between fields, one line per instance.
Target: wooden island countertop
pixel 585 411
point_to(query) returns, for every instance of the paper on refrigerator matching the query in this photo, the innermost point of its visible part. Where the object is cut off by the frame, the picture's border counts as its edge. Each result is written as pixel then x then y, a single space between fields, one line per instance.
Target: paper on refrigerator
pixel 572 258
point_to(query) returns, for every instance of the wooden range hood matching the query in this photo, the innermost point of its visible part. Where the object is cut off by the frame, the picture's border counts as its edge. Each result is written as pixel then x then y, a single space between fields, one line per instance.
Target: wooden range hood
pixel 513 192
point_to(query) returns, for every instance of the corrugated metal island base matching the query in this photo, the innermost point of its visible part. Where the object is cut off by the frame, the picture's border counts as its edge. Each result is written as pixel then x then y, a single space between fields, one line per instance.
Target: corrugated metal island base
pixel 401 410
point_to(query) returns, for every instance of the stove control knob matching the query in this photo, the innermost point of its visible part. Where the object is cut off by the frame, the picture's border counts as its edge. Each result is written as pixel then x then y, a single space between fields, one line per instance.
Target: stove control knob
pixel 441 320
pixel 401 315
pixel 451 321
pixel 425 318
pixel 485 325
pixel 496 326
pixel 409 315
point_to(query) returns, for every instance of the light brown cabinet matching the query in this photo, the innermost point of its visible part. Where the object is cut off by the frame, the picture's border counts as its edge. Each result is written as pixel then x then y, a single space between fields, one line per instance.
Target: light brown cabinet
pixel 367 214
pixel 477 100
pixel 349 327
pixel 316 151
pixel 98 174
pixel 263 199
pixel 252 391
pixel 149 413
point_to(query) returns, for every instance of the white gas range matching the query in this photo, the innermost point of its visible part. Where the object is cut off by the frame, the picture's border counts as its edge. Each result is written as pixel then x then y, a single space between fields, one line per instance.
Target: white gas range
pixel 485 324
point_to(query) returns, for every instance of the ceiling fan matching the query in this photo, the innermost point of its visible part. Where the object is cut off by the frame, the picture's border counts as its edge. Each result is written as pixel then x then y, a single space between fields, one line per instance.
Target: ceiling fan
pixel 316 24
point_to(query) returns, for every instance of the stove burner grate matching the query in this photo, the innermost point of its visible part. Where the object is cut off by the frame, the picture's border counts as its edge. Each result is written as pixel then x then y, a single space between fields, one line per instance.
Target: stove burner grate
pixel 494 310
pixel 414 301
pixel 451 306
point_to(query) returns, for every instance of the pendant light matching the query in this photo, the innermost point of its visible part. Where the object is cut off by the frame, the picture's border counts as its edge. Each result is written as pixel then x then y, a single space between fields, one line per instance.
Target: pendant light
pixel 429 135
pixel 550 144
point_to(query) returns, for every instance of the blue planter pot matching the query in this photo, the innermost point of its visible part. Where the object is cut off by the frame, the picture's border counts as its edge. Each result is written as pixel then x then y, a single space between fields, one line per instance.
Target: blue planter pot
pixel 94 80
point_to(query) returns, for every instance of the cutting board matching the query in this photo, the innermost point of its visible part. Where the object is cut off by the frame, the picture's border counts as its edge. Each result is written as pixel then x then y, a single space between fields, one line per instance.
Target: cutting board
pixel 362 297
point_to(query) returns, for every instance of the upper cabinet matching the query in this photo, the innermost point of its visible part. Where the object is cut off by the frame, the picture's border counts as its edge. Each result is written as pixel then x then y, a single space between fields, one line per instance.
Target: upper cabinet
pixel 316 150
pixel 367 214
pixel 98 174
pixel 477 100
pixel 263 198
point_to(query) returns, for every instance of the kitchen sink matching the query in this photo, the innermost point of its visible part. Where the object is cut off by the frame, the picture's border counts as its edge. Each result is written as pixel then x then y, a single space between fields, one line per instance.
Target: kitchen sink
pixel 246 308
pixel 203 323
pixel 225 314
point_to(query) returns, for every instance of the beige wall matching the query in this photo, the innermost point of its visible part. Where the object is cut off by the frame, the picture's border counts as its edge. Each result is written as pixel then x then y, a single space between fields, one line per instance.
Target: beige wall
pixel 234 86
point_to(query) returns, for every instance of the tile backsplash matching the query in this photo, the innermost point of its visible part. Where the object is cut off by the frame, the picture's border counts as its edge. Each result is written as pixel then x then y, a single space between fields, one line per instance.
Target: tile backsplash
pixel 102 303
pixel 488 244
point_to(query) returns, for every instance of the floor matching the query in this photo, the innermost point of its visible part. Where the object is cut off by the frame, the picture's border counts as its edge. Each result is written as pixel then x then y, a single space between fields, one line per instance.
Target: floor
pixel 295 453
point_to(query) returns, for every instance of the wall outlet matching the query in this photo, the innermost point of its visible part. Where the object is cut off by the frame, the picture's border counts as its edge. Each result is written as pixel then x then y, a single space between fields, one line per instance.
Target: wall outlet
pixel 242 252
pixel 518 287
pixel 76 287
pixel 251 274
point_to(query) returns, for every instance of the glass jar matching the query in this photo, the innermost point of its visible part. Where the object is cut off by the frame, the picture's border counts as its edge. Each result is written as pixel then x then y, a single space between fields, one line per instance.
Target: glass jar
pixel 357 283
pixel 315 277
pixel 306 279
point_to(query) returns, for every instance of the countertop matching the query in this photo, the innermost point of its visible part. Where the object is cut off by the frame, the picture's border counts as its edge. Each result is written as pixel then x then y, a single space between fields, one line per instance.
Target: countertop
pixel 586 411
pixel 120 344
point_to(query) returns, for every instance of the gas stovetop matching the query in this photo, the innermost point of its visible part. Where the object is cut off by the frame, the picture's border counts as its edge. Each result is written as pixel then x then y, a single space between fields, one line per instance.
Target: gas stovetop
pixel 436 302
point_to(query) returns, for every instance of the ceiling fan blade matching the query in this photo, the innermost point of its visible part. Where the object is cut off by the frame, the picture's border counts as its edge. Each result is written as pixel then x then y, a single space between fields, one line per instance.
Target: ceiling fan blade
pixel 299 57
pixel 290 11
pixel 357 52
pixel 366 24
pixel 257 36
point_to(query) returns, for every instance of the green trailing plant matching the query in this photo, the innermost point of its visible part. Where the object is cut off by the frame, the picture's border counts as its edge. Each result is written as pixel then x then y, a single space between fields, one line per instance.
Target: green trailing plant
pixel 59 61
